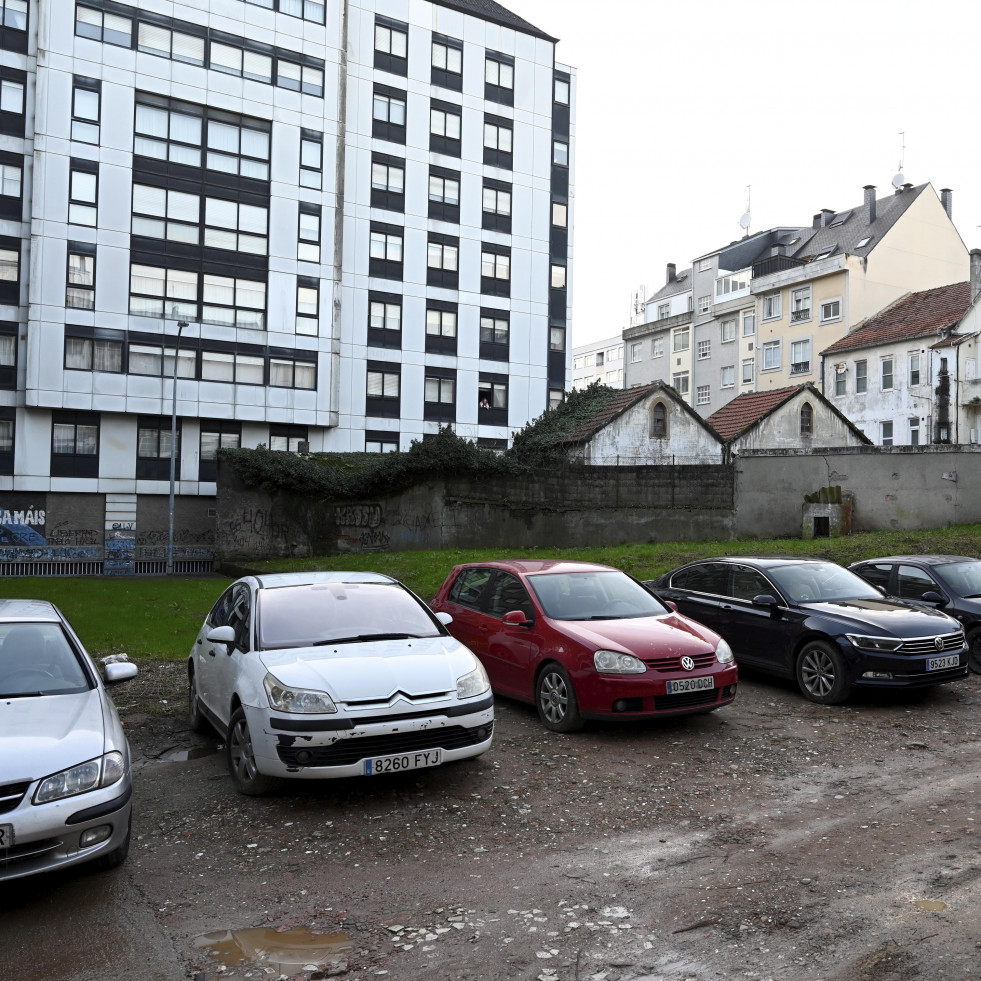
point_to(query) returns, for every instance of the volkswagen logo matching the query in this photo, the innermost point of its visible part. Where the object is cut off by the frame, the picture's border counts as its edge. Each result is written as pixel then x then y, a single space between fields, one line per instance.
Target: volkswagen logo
pixel 938 642
pixel 688 663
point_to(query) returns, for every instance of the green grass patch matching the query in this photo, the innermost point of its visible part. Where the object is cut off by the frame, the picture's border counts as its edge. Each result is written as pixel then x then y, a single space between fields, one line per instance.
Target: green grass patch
pixel 160 617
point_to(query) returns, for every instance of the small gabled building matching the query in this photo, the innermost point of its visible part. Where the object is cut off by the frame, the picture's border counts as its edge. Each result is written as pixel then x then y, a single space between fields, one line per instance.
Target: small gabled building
pixel 795 418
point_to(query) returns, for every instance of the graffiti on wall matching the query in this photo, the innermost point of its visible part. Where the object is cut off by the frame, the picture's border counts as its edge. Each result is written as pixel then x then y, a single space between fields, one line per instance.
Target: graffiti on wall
pixel 23 520
pixel 372 528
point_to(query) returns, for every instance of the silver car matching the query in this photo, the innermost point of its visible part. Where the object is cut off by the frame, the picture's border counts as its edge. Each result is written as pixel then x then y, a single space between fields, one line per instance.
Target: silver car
pixel 65 781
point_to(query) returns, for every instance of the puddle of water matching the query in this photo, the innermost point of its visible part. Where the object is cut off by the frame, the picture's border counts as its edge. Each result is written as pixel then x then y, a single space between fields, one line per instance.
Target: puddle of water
pixel 288 952
pixel 931 905
pixel 183 755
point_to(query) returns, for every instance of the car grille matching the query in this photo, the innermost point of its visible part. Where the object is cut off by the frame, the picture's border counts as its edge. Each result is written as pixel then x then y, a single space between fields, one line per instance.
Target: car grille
pixel 926 645
pixel 673 663
pixel 688 699
pixel 347 751
pixel 11 794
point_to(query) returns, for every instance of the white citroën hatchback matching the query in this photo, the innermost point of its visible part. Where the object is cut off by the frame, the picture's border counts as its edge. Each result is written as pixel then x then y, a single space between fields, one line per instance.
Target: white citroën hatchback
pixel 334 674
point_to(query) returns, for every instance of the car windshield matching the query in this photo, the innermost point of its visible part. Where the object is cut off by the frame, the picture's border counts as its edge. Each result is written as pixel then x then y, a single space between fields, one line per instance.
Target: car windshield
pixel 600 595
pixel 340 613
pixel 820 582
pixel 963 578
pixel 36 659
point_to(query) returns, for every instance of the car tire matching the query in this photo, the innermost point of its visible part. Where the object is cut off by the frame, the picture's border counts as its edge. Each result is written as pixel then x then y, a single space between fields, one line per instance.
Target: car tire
pixel 555 699
pixel 196 719
pixel 118 855
pixel 241 759
pixel 974 650
pixel 821 673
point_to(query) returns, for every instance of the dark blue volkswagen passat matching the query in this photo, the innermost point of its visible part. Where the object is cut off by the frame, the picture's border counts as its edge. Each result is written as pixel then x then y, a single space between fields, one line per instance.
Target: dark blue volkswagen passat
pixel 817 623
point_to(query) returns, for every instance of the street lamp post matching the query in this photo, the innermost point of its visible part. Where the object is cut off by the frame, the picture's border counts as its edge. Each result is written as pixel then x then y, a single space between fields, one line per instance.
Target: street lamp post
pixel 181 324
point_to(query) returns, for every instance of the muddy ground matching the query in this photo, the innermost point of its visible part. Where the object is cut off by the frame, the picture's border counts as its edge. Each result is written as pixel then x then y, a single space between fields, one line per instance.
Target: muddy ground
pixel 773 839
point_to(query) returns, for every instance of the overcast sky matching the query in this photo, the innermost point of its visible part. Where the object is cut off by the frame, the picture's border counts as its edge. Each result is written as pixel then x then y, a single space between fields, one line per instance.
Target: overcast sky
pixel 682 105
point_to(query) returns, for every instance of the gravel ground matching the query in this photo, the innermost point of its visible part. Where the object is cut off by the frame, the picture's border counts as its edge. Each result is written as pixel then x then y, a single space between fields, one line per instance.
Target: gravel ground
pixel 772 839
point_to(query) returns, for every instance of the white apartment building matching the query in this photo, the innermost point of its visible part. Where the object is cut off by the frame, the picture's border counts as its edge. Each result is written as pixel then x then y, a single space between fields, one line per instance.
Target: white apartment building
pixel 341 225
pixel 600 361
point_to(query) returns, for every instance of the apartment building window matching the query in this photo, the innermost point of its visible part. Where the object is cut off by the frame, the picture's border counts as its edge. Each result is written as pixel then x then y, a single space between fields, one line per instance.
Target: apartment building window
pixel 391 46
pixel 225 366
pixel 663 311
pixel 379 441
pixel 442 261
pixel 657 347
pixel 171 215
pixel 307 306
pixel 441 324
pixel 74 444
pixel 445 127
pixel 861 377
pixel 749 371
pixel 886 374
pixel 439 395
pixel 384 383
pixel 7 417
pixel 158 361
pixel 772 305
pixel 749 324
pixel 830 311
pixel 80 277
pixel 800 357
pixel 704 350
pixel 561 91
pixel 806 420
pixel 492 399
pixel 704 304
pixel 86 96
pixel 729 376
pixel 495 270
pixel 83 193
pixel 681 339
pixel 11 186
pixel 8 357
pixel 14 14
pixel 800 304
pixel 560 153
pixel 93 354
pixel 308 233
pixel 914 432
pixel 385 320
pixel 728 331
pixel 557 280
pixel 103 26
pixel 635 352
pixel 444 194
pixel 556 338
pixel 885 433
pixel 236 226
pixel 10 270
pixel 680 380
pixel 914 369
pixel 385 251
pixel 771 356
pixel 12 116
pixel 497 206
pixel 495 335
pixel 498 141
pixel 177 45
pixel 387 182
pixel 311 159
pixel 154 447
pixel 308 79
pixel 287 438
pixel 556 396
pixel 233 60
pixel 286 372
pixel 216 434
pixel 703 394
pixel 447 63
pixel 560 214
pixel 499 78
pixel 233 302
pixel 388 114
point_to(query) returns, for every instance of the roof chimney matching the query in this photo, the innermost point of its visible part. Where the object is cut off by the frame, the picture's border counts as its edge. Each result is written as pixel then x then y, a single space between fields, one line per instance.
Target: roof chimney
pixel 822 218
pixel 672 272
pixel 946 199
pixel 870 203
pixel 975 273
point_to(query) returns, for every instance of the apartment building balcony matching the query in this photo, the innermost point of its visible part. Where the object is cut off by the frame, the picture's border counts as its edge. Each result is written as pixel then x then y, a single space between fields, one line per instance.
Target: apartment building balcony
pixel 653 326
pixel 774 264
pixel 796 316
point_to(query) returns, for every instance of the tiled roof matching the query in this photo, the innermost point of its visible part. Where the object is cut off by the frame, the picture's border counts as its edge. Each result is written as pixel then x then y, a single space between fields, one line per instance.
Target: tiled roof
pixel 744 410
pixel 680 283
pixel 617 404
pixel 496 14
pixel 922 314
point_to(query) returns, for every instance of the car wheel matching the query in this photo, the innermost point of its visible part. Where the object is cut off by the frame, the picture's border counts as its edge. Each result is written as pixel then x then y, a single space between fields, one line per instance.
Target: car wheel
pixel 241 759
pixel 974 650
pixel 558 707
pixel 118 855
pixel 196 718
pixel 821 673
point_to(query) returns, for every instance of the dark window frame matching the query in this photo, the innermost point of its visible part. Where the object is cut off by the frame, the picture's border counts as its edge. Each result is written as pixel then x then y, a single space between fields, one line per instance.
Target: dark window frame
pixel 443 341
pixel 75 464
pixel 208 466
pixel 493 349
pixel 442 410
pixel 82 84
pixel 385 197
pixel 494 156
pixel 494 91
pixel 78 289
pixel 304 243
pixel 156 466
pixel 91 168
pixel 445 77
pixel 385 337
pixel 384 128
pixel 388 61
pixel 384 406
pixel 441 276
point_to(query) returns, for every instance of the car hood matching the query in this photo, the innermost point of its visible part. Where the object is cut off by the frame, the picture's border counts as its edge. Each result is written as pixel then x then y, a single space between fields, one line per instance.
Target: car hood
pixel 645 637
pixel 882 616
pixel 49 733
pixel 374 671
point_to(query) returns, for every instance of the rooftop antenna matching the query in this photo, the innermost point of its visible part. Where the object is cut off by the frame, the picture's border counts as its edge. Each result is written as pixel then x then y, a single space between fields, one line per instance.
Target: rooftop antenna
pixel 744 222
pixel 899 180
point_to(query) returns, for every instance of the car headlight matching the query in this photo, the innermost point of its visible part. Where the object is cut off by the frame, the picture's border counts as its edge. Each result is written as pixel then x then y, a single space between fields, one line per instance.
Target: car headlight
pixel 473 682
pixel 101 772
pixel 723 653
pixel 616 662
pixel 874 643
pixel 299 701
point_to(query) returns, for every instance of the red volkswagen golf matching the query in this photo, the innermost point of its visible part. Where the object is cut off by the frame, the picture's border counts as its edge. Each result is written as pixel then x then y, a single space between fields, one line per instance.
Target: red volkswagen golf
pixel 584 641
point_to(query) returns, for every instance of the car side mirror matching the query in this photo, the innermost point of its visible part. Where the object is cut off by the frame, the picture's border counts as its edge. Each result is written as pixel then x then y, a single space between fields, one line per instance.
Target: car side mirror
pixel 118 671
pixel 444 618
pixel 671 605
pixel 222 635
pixel 765 599
pixel 932 596
pixel 516 618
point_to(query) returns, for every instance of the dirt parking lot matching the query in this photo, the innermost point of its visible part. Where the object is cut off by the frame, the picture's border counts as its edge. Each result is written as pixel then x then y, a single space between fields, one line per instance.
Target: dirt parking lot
pixel 773 839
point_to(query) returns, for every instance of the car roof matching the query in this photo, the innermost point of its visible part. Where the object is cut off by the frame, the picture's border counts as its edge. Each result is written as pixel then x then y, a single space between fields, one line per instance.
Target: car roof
pixel 921 559
pixel 280 579
pixel 28 609
pixel 764 561
pixel 531 567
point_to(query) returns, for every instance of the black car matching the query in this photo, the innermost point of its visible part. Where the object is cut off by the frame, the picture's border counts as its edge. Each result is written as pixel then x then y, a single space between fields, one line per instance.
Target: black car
pixel 951 583
pixel 817 623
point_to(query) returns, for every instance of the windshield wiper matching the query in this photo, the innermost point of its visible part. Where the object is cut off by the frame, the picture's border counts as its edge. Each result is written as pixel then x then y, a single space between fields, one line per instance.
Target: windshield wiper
pixel 364 639
pixel 24 694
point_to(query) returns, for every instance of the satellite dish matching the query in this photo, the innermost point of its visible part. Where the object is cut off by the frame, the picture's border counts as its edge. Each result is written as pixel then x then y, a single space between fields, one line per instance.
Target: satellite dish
pixel 745 220
pixel 898 181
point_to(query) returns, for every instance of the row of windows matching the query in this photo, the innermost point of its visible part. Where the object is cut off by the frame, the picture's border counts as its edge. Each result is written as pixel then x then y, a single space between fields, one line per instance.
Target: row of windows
pixel 384 390
pixel 185 42
pixel 887 377
pixel 771 307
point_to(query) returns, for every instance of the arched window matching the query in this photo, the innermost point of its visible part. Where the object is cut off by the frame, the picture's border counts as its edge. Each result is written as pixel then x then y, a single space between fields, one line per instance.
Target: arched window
pixel 659 421
pixel 806 420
